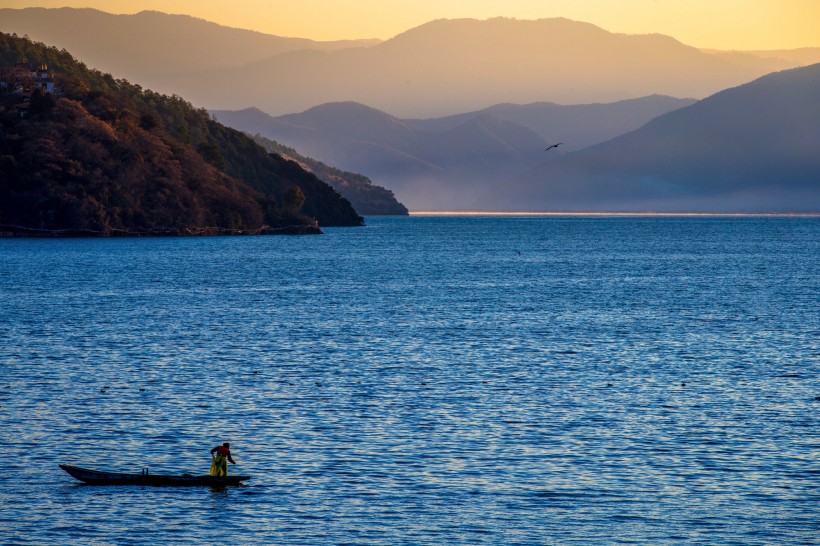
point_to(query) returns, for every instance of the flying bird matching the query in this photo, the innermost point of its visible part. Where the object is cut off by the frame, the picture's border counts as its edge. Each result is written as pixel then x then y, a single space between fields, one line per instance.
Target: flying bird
pixel 553 146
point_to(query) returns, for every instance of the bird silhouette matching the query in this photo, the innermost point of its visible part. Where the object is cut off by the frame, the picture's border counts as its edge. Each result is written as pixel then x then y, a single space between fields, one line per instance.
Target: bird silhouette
pixel 553 146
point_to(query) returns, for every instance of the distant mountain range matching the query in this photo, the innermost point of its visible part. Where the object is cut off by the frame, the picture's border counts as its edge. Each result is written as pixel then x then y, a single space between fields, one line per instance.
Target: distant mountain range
pixel 440 68
pixel 750 146
pixel 753 148
pixel 431 163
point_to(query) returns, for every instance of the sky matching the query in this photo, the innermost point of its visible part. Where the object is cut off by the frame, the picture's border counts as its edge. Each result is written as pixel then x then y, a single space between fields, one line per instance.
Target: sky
pixel 718 24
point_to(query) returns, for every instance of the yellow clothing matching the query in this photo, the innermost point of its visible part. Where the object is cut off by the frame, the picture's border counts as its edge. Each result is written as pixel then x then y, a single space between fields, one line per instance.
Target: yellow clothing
pixel 219 466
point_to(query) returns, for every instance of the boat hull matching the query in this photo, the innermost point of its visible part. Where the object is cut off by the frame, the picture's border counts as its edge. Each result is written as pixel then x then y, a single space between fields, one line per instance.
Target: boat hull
pixel 95 477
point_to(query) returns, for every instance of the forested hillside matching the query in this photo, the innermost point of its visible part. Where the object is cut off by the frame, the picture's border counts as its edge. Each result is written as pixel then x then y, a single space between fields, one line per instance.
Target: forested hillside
pixel 103 156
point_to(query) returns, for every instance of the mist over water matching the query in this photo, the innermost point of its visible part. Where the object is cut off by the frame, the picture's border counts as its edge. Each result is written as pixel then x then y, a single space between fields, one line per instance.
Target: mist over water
pixel 422 380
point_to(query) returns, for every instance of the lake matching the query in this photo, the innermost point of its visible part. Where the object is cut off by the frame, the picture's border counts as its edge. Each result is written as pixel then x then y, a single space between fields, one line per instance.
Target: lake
pixel 421 380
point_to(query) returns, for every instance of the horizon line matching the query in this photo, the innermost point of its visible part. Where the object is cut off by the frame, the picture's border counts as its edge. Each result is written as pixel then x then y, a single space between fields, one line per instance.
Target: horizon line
pixel 601 213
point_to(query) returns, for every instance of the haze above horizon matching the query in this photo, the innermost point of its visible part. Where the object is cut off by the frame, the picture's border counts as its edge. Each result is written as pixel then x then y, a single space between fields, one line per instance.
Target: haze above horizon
pixel 731 25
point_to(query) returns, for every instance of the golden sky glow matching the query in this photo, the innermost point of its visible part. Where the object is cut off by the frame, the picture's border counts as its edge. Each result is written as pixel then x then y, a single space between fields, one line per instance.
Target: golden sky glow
pixel 719 24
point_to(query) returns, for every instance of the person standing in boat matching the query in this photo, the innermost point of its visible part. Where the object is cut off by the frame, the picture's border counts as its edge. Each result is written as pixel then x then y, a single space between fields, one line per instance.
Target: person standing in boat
pixel 220 456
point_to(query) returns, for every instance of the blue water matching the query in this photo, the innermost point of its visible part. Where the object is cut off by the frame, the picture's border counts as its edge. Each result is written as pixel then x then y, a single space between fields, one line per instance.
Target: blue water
pixel 423 380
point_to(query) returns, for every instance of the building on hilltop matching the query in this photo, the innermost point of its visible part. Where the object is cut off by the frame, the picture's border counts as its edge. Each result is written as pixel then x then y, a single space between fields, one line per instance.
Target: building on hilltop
pixel 23 79
pixel 22 82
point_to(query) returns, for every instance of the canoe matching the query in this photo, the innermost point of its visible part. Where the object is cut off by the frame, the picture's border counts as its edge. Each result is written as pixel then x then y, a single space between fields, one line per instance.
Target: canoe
pixel 95 477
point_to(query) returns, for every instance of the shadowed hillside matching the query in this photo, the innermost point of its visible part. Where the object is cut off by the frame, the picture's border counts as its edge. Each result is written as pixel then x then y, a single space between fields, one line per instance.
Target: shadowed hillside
pixel 367 198
pixel 103 156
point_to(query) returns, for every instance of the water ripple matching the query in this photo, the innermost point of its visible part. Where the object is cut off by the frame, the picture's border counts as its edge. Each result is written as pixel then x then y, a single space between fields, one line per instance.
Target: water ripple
pixel 622 381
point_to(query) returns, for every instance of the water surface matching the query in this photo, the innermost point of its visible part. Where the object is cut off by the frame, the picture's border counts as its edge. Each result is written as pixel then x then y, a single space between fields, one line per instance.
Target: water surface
pixel 423 380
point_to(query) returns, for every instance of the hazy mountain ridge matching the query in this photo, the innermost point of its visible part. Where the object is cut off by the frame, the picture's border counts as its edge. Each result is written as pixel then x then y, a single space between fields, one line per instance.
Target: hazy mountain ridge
pixel 772 60
pixel 577 125
pixel 449 66
pixel 753 148
pixel 149 45
pixel 435 69
pixel 433 163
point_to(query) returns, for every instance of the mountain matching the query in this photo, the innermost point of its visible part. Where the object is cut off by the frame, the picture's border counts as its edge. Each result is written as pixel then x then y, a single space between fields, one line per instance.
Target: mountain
pixel 770 61
pixel 436 69
pixel 367 198
pixel 83 153
pixel 450 162
pixel 410 161
pixel 753 148
pixel 449 66
pixel 577 125
pixel 149 46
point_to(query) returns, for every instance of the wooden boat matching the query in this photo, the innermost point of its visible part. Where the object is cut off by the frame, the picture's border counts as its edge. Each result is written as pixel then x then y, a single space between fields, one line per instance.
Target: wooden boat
pixel 95 477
